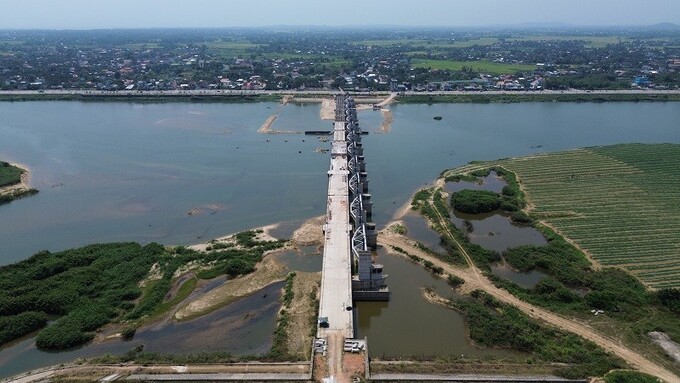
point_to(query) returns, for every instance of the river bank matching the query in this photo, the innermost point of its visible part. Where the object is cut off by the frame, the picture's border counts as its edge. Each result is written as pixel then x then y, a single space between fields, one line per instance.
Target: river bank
pixel 15 188
pixel 379 98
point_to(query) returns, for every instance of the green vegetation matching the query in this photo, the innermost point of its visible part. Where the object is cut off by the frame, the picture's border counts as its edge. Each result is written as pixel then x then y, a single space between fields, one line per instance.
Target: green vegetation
pixel 475 201
pixel 279 350
pixel 629 377
pixel 15 326
pixel 139 356
pixel 495 324
pixel 87 287
pixel 429 44
pixel 433 211
pixel 455 281
pixel 399 229
pixel 92 286
pixel 17 194
pixel 618 203
pixel 620 191
pixel 9 175
pixel 478 66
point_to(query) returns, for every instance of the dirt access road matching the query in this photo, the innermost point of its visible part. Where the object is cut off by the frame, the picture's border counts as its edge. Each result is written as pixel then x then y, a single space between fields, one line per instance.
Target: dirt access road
pixel 475 280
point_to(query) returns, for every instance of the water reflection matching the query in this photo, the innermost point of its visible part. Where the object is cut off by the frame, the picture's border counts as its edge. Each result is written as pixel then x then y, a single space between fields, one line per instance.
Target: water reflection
pixel 493 182
pixel 497 232
pixel 419 229
pixel 527 280
pixel 300 261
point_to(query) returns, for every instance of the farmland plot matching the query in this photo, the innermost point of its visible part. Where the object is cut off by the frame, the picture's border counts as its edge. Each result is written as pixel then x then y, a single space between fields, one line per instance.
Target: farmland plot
pixel 620 204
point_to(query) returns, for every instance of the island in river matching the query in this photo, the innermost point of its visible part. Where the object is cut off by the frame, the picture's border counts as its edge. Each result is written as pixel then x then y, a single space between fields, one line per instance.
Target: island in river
pixel 14 183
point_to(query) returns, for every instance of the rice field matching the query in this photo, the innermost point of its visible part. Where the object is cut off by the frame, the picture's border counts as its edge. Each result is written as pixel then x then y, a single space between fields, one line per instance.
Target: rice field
pixel 620 204
pixel 480 65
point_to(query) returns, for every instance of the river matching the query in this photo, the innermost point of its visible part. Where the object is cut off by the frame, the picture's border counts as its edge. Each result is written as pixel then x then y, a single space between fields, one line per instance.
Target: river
pixel 132 172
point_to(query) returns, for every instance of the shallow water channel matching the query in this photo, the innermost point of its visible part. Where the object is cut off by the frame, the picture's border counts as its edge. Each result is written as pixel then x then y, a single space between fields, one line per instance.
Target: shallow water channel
pixel 242 327
pixel 409 325
pixel 493 231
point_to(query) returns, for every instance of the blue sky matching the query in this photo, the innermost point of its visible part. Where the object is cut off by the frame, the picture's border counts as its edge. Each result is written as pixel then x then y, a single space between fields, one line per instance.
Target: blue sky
pixel 88 14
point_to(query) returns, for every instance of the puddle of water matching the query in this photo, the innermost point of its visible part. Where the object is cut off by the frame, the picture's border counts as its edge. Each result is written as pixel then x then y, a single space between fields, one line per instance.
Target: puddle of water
pixel 493 182
pixel 497 232
pixel 304 262
pixel 418 228
pixel 211 285
pixel 527 280
pixel 285 229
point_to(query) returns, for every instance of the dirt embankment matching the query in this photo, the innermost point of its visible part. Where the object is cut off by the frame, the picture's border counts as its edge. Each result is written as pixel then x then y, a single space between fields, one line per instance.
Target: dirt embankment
pixel 267 126
pixel 303 312
pixel 310 233
pixel 327 109
pixel 390 99
pixel 474 280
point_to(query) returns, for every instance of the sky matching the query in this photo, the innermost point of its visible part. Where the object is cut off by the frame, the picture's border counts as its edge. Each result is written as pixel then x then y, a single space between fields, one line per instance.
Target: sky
pixel 94 14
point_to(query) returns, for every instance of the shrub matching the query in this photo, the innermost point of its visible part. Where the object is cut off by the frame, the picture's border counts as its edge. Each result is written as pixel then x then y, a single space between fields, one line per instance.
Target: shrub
pixel 475 201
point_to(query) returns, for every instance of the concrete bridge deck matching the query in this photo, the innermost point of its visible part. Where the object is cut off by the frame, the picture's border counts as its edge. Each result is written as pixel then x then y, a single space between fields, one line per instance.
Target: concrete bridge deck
pixel 336 280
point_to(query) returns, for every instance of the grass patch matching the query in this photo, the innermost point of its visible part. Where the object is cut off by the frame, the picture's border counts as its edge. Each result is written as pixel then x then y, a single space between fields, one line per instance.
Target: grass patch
pixel 629 377
pixel 279 350
pixel 9 175
pixel 92 286
pixel 479 66
pixel 619 203
pixel 495 324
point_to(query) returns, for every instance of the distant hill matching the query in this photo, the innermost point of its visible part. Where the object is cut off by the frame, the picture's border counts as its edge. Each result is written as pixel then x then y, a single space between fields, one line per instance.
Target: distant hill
pixel 664 27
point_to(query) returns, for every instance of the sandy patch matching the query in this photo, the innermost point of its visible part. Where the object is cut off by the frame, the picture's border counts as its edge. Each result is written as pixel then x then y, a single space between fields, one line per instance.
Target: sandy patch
pixel 263 236
pixel 403 210
pixel 267 126
pixel 327 109
pixel 267 272
pixel 388 118
pixel 310 233
pixel 23 185
pixel 388 100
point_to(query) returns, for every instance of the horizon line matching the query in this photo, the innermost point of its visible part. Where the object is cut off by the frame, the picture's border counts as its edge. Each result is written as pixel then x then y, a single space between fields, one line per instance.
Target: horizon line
pixel 527 25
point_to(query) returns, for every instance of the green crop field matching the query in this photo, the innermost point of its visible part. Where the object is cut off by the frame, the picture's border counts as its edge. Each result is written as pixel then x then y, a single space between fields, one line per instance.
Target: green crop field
pixel 434 44
pixel 620 204
pixel 482 66
pixel 589 41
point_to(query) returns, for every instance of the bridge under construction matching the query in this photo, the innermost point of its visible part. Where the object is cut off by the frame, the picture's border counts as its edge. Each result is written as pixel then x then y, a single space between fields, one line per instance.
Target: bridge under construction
pixel 350 237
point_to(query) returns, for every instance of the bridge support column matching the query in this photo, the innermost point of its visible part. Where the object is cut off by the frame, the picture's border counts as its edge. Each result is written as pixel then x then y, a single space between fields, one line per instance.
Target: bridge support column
pixel 361 163
pixel 368 205
pixel 371 235
pixel 363 176
pixel 365 263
